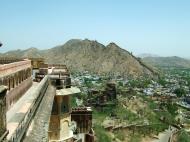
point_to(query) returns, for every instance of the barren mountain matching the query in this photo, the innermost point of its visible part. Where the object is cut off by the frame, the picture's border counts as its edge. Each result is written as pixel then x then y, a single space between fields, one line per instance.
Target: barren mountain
pixel 174 61
pixel 90 55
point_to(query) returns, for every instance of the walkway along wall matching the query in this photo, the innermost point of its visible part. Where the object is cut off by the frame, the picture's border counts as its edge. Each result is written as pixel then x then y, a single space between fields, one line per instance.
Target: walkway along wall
pixel 24 123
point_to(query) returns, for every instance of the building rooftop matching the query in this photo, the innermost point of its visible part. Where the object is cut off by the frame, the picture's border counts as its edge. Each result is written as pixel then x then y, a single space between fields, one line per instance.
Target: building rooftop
pixel 67 91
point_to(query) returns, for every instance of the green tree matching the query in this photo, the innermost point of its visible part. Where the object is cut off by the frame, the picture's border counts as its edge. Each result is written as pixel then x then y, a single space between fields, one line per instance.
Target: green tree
pixel 180 92
pixel 162 81
pixel 172 109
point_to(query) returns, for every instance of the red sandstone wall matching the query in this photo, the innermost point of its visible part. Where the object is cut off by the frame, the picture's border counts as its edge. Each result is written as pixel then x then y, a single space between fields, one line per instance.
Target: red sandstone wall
pixel 11 68
pixel 14 94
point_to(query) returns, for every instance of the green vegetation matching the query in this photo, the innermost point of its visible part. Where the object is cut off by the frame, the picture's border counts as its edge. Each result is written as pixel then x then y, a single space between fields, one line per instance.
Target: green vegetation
pixel 120 135
pixel 120 112
pixel 151 114
pixel 154 118
pixel 135 138
pixel 183 136
pixel 99 116
pixel 101 134
pixel 162 81
pixel 172 109
pixel 125 114
pixel 88 82
pixel 140 83
pixel 180 92
pixel 120 83
pixel 73 102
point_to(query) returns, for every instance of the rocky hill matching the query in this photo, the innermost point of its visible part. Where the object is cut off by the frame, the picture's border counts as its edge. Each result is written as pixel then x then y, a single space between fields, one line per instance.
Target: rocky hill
pixel 174 61
pixel 90 55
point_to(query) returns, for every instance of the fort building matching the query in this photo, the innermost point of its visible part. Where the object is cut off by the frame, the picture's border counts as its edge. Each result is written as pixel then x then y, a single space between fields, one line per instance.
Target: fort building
pixel 83 118
pixel 37 62
pixel 60 120
pixel 40 111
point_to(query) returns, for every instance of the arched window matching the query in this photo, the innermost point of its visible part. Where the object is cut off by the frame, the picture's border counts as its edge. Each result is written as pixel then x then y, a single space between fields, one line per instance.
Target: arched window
pixel 64 108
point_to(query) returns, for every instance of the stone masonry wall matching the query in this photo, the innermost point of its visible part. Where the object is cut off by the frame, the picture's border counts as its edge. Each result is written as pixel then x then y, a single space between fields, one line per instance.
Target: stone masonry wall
pixel 2 110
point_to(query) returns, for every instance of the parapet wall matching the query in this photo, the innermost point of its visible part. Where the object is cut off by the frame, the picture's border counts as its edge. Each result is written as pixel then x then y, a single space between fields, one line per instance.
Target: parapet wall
pixel 11 68
pixel 8 60
pixel 24 121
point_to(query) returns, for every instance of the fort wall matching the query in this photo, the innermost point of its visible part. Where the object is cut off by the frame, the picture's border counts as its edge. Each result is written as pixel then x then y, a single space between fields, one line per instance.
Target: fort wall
pixel 14 94
pixel 11 68
pixel 16 75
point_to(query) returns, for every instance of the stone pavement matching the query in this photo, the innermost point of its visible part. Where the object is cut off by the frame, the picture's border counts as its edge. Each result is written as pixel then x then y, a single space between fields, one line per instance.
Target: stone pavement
pixel 38 130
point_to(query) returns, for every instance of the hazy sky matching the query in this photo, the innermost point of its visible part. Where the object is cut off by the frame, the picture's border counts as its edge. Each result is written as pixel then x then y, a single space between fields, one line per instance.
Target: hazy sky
pixel 141 26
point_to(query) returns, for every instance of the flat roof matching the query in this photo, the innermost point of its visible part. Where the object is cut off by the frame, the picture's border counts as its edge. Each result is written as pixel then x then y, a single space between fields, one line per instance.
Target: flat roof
pixel 67 91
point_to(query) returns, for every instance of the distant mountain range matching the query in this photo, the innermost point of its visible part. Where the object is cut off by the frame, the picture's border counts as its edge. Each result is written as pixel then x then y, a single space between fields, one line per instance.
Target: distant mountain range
pixel 174 61
pixel 82 55
pixel 144 55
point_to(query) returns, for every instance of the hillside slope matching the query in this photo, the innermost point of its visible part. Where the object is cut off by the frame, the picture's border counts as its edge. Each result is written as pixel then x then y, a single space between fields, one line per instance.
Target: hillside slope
pixel 174 61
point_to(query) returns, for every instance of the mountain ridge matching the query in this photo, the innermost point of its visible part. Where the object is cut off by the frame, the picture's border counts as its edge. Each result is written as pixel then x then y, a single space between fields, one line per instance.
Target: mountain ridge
pixel 90 55
pixel 172 61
